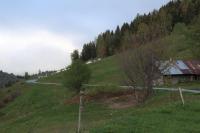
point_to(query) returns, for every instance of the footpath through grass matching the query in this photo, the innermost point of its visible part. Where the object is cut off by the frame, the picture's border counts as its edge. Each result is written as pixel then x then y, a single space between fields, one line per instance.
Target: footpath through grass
pixel 195 85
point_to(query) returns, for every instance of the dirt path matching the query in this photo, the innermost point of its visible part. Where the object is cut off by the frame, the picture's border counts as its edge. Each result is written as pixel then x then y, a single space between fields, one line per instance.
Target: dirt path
pixel 35 81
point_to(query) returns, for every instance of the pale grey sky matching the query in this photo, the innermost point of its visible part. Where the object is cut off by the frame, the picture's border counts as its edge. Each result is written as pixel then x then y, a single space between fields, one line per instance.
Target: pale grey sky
pixel 41 34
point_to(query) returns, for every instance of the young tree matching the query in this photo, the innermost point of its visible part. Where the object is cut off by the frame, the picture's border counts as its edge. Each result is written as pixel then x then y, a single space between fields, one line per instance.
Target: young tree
pixel 101 47
pixel 129 41
pixel 195 38
pixel 88 51
pixel 117 38
pixel 77 75
pixel 143 32
pixel 75 55
pixel 26 75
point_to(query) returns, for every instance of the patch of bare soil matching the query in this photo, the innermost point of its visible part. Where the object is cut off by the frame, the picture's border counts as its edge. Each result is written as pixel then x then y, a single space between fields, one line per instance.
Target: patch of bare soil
pixel 121 102
pixel 115 100
pixel 10 97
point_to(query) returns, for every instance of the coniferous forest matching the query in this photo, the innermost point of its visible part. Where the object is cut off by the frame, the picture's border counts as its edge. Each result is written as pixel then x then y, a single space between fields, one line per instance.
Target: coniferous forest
pixel 170 19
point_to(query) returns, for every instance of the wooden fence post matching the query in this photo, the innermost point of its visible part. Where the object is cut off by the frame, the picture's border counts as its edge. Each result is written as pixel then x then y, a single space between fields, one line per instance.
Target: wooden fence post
pixel 80 111
pixel 181 95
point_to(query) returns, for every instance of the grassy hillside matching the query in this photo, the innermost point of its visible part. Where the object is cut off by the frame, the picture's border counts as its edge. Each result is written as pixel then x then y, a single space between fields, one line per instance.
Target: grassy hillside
pixel 42 109
pixel 106 71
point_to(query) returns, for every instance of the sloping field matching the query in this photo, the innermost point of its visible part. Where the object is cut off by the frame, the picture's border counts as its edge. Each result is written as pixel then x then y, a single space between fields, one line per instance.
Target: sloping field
pixel 106 71
pixel 43 109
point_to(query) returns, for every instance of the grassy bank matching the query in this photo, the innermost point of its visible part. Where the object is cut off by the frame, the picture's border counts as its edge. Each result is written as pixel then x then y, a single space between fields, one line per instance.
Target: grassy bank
pixel 42 109
pixel 106 71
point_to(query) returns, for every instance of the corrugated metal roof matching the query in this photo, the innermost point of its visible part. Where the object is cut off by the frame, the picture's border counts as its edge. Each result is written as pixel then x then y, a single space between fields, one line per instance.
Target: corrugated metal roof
pixel 194 66
pixel 180 67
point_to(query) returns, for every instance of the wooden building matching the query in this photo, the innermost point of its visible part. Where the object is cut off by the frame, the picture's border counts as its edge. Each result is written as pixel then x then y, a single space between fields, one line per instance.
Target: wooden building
pixel 182 71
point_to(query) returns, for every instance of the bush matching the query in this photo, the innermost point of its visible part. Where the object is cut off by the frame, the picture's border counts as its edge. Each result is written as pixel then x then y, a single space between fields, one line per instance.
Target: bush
pixel 77 75
pixel 15 94
pixel 7 99
pixel 10 97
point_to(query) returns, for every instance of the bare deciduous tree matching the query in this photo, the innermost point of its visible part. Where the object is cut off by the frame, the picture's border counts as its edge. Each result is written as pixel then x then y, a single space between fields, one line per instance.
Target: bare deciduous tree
pixel 141 67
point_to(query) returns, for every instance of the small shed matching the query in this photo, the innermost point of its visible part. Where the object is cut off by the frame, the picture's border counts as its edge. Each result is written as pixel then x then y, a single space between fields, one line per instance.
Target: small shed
pixel 182 71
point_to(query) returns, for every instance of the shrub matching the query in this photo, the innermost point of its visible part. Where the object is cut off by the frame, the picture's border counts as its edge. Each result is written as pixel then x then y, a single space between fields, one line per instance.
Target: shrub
pixel 77 75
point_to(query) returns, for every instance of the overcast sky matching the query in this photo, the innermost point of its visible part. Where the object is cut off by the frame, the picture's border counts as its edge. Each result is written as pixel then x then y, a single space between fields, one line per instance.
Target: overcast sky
pixel 41 34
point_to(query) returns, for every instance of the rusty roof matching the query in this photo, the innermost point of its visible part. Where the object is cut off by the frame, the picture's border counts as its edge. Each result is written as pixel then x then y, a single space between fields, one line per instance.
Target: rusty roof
pixel 180 67
pixel 194 66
